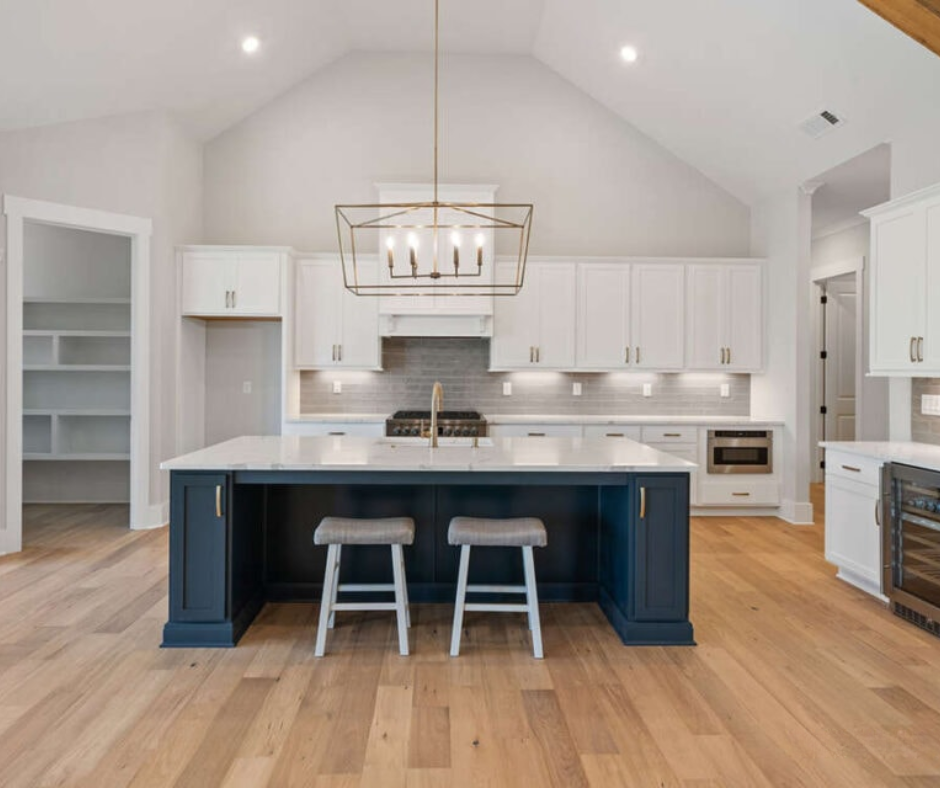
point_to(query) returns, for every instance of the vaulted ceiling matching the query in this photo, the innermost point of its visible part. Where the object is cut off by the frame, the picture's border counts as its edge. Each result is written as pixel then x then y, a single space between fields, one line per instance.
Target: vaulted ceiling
pixel 722 84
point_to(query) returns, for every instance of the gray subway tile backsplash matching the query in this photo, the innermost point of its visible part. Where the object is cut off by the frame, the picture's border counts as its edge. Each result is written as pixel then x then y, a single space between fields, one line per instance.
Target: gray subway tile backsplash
pixel 411 366
pixel 924 429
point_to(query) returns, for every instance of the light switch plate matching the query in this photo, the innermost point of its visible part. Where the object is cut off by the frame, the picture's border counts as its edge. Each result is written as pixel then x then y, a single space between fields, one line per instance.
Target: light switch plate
pixel 337 387
pixel 246 387
pixel 576 389
pixel 725 390
pixel 930 404
pixel 507 388
pixel 647 389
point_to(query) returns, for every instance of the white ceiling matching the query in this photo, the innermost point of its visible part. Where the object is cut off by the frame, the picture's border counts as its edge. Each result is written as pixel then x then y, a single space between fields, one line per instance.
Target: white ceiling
pixel 722 84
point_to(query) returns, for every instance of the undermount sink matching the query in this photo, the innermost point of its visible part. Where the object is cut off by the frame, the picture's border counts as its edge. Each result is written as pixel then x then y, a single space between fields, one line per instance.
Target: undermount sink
pixel 442 443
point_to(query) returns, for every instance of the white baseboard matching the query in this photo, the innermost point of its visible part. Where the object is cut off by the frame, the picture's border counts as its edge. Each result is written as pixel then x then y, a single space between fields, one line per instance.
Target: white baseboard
pixel 797 512
pixel 157 515
pixel 734 511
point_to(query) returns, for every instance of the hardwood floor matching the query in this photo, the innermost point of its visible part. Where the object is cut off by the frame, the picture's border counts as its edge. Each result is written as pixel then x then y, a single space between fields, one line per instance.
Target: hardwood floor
pixel 798 680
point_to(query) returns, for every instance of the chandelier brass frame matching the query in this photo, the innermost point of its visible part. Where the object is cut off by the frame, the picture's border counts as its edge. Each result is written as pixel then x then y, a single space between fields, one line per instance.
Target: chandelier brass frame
pixel 446 223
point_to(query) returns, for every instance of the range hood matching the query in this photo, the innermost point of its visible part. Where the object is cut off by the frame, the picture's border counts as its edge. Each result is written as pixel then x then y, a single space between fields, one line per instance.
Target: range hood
pixel 436 324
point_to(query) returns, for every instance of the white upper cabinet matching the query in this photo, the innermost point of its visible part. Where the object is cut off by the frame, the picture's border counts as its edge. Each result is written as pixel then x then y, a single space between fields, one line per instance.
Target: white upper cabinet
pixel 536 328
pixel 231 283
pixel 724 331
pixel 905 285
pixel 604 316
pixel 332 327
pixel 658 316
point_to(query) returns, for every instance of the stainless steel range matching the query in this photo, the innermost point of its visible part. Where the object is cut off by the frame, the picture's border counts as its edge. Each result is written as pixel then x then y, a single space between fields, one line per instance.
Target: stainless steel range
pixel 450 423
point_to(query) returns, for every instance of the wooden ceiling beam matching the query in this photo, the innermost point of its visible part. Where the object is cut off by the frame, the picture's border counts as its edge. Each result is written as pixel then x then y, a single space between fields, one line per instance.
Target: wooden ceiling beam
pixel 920 19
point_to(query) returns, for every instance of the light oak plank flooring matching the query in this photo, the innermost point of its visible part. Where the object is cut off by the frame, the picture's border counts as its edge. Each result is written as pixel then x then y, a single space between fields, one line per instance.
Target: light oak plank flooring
pixel 798 680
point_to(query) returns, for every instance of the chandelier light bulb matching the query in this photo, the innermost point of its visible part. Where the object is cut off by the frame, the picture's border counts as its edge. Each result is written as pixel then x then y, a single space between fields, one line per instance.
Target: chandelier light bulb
pixel 250 45
pixel 480 239
pixel 629 54
pixel 413 241
pixel 455 240
pixel 390 243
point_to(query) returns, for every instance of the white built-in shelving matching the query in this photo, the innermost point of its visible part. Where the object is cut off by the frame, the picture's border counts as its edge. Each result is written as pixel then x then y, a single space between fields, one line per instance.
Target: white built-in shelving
pixel 76 365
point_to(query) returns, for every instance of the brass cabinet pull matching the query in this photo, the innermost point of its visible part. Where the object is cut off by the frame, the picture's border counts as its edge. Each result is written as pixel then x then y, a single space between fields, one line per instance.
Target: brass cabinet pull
pixel 637 354
pixel 218 500
pixel 339 352
pixel 920 349
pixel 642 503
pixel 741 494
pixel 615 435
pixel 911 350
pixel 852 468
pixel 531 354
pixel 234 294
pixel 626 355
pixel 536 434
pixel 878 513
pixel 228 299
pixel 336 433
pixel 729 354
pixel 334 352
pixel 538 355
pixel 722 355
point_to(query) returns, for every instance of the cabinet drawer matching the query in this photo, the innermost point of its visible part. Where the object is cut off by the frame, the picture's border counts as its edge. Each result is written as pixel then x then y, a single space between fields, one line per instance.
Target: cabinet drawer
pixel 611 431
pixel 740 492
pixel 863 470
pixel 669 434
pixel 535 430
pixel 315 428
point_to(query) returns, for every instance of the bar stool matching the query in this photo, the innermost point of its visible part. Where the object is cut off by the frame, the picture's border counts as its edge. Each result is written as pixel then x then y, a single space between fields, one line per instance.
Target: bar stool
pixel 524 532
pixel 339 531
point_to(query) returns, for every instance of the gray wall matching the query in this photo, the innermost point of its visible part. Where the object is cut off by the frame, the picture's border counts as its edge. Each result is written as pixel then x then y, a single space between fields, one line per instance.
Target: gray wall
pixel 412 366
pixel 924 429
pixel 600 186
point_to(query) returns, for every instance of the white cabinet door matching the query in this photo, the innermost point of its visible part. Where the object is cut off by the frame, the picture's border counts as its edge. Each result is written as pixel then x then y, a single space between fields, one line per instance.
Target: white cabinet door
pixel 557 316
pixel 256 284
pixel 515 324
pixel 359 343
pixel 658 316
pixel 897 290
pixel 206 283
pixel 853 536
pixel 929 348
pixel 744 318
pixel 706 293
pixel 603 316
pixel 317 304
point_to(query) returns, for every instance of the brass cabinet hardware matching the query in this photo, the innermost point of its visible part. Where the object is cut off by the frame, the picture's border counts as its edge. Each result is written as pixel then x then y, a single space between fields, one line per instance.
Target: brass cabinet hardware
pixel 672 434
pixel 536 434
pixel 920 349
pixel 626 355
pixel 234 294
pixel 218 500
pixel 538 355
pixel 637 354
pixel 741 494
pixel 729 354
pixel 336 433
pixel 339 352
pixel 852 468
pixel 878 513
pixel 722 355
pixel 228 299
pixel 334 352
pixel 531 354
pixel 911 350
pixel 615 435
pixel 642 503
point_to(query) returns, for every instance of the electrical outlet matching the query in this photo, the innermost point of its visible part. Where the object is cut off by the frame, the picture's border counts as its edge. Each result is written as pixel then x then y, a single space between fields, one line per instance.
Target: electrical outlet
pixel 507 388
pixel 724 390
pixel 647 389
pixel 930 405
pixel 337 387
pixel 576 389
pixel 246 387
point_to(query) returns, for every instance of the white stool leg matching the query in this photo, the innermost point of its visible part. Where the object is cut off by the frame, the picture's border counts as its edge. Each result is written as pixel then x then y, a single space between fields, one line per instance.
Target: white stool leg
pixel 326 599
pixel 398 570
pixel 401 555
pixel 461 599
pixel 339 561
pixel 532 599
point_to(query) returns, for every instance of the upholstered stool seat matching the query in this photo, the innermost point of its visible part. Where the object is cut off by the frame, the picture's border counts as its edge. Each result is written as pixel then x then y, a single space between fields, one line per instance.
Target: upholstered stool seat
pixel 522 532
pixel 338 531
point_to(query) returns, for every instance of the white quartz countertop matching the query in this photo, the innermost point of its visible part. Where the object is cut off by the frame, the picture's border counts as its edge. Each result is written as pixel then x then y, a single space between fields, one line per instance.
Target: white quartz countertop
pixel 547 418
pixel 346 453
pixel 923 455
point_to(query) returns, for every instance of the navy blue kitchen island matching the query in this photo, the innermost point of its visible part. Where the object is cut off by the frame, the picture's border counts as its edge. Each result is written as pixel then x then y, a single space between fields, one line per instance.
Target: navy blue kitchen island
pixel 242 516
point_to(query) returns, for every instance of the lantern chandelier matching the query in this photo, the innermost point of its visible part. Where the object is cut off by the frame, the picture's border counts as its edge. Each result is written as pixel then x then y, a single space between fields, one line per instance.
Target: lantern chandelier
pixel 436 248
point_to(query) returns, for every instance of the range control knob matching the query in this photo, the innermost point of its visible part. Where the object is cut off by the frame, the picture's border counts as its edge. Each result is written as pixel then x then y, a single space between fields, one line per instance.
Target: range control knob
pixel 447 432
pixel 414 430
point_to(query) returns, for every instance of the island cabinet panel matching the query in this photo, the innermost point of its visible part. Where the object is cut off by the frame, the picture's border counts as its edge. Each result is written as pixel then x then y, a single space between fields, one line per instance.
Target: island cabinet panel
pixel 216 569
pixel 660 549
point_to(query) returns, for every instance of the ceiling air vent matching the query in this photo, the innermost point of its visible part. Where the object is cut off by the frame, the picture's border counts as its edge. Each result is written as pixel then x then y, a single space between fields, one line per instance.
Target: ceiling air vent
pixel 821 123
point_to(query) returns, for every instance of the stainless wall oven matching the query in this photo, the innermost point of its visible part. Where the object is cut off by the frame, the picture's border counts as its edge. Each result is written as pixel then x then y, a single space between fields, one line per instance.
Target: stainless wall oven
pixel 911 543
pixel 740 451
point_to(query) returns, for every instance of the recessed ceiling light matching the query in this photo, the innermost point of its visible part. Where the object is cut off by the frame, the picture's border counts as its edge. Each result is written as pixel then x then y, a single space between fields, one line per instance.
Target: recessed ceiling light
pixel 629 54
pixel 250 45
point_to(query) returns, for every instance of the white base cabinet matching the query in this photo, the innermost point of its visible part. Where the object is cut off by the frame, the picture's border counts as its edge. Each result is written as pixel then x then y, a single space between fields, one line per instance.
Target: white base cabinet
pixel 853 528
